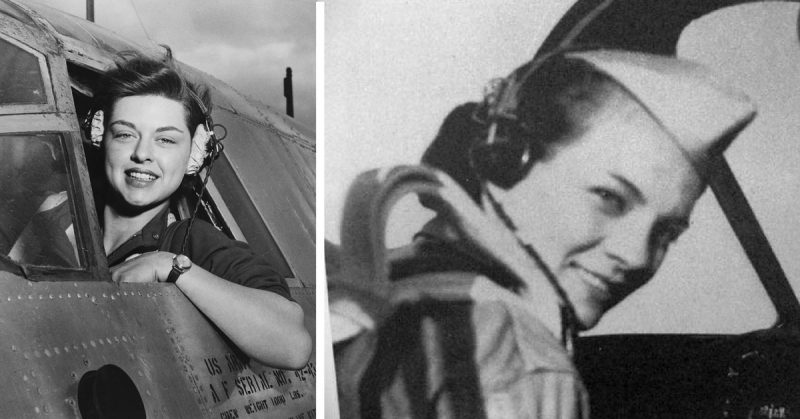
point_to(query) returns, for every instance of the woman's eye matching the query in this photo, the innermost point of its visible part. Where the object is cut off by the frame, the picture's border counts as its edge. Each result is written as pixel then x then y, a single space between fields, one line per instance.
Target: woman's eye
pixel 611 202
pixel 123 135
pixel 166 140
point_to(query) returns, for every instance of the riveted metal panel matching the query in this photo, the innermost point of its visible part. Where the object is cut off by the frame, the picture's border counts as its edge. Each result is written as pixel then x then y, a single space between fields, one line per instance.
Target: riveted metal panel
pixel 229 385
pixel 55 332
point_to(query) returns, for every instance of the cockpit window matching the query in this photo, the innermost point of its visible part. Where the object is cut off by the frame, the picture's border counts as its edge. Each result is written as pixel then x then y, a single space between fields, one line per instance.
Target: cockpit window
pixel 36 216
pixel 707 284
pixel 21 80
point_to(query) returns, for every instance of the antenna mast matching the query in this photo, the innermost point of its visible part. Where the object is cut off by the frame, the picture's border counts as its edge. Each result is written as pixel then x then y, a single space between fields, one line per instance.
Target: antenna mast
pixel 287 92
pixel 90 10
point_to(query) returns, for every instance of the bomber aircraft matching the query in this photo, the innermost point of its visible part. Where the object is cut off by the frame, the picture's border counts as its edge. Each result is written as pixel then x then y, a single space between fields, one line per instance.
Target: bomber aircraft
pixel 74 343
pixel 717 332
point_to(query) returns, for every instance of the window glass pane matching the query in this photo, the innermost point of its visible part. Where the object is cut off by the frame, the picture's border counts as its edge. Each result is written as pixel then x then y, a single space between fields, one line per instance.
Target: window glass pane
pixel 36 220
pixel 258 237
pixel 20 79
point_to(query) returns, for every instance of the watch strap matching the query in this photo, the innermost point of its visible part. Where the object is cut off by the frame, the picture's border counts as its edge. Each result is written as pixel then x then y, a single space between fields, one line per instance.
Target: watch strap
pixel 174 274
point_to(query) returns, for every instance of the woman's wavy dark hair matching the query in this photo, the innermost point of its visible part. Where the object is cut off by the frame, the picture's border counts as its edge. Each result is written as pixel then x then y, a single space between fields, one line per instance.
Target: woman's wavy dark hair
pixel 135 74
pixel 556 103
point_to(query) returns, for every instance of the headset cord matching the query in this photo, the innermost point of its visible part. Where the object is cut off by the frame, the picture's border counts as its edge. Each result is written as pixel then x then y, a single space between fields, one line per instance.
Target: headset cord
pixel 569 321
pixel 217 148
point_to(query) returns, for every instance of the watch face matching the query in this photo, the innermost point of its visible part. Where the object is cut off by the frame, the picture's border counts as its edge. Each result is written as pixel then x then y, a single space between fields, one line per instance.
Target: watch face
pixel 182 262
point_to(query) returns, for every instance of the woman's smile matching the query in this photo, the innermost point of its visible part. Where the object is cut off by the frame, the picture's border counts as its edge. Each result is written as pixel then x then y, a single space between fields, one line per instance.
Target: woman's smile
pixel 140 178
pixel 600 284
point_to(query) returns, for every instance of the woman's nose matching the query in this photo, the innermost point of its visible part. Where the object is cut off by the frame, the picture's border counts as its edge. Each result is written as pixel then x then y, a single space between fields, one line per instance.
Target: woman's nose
pixel 142 152
pixel 628 242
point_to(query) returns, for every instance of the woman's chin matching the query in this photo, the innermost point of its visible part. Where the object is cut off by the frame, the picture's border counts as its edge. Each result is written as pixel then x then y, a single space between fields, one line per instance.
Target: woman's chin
pixel 135 205
pixel 588 317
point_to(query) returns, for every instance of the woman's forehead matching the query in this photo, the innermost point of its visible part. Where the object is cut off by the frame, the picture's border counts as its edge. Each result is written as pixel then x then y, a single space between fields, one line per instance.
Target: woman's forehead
pixel 150 110
pixel 608 100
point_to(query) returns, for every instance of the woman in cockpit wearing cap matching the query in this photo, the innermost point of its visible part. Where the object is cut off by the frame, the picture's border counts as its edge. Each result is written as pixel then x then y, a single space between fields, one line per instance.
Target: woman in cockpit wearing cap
pixel 561 195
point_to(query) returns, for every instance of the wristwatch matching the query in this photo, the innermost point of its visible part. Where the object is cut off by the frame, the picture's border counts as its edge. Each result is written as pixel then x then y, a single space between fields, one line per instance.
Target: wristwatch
pixel 180 264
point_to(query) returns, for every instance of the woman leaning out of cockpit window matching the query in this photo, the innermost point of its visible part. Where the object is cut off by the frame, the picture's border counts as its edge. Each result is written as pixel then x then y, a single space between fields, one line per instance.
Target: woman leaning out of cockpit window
pixel 152 128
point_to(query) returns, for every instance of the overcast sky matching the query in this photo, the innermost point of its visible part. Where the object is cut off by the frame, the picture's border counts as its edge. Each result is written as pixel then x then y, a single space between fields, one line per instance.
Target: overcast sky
pixel 246 43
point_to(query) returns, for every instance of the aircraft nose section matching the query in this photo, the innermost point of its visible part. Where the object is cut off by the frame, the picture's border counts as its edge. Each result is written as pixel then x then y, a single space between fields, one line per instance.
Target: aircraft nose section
pixel 109 392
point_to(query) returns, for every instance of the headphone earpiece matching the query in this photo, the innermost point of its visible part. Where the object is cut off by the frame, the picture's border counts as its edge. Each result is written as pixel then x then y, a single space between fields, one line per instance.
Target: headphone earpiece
pixel 508 147
pixel 504 156
pixel 505 151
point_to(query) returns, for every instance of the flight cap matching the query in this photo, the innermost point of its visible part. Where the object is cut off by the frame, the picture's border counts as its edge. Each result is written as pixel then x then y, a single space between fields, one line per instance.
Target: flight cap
pixel 701 112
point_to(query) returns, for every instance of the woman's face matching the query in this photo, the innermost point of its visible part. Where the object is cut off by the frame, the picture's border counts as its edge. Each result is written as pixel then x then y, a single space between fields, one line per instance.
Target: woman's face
pixel 147 145
pixel 604 207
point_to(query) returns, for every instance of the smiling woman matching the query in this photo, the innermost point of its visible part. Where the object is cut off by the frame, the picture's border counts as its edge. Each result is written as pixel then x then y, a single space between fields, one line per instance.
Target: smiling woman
pixel 558 196
pixel 141 131
pixel 157 135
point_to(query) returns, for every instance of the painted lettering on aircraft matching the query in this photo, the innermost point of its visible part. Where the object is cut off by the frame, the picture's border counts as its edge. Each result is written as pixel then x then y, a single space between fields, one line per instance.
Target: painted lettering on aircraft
pixel 240 391
pixel 229 414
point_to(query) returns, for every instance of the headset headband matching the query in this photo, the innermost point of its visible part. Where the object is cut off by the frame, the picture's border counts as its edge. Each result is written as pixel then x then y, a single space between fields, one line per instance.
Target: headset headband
pixel 501 95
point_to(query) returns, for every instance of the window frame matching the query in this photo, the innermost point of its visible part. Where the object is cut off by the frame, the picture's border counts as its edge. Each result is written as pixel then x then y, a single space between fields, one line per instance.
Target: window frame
pixel 44 72
pixel 57 117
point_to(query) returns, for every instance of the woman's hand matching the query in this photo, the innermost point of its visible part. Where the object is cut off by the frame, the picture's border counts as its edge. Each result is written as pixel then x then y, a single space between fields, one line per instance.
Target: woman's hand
pixel 147 267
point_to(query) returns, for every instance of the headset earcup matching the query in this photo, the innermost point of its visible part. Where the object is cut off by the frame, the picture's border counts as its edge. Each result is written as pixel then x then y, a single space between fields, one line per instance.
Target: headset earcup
pixel 506 160
pixel 199 151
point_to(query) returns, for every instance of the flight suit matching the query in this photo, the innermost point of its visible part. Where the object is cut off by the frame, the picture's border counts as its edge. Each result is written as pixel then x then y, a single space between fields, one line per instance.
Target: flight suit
pixel 444 335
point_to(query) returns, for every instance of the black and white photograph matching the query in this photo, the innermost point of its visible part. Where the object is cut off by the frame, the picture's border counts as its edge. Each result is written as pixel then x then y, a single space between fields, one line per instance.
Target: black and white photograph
pixel 158 209
pixel 538 209
pixel 562 209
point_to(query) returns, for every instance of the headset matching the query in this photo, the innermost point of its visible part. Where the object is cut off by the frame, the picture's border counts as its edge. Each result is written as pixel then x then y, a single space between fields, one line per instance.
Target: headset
pixel 214 145
pixel 502 154
pixel 214 148
pixel 508 148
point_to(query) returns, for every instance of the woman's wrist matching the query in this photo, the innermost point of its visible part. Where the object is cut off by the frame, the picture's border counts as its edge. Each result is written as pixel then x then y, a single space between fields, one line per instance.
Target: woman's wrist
pixel 164 265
